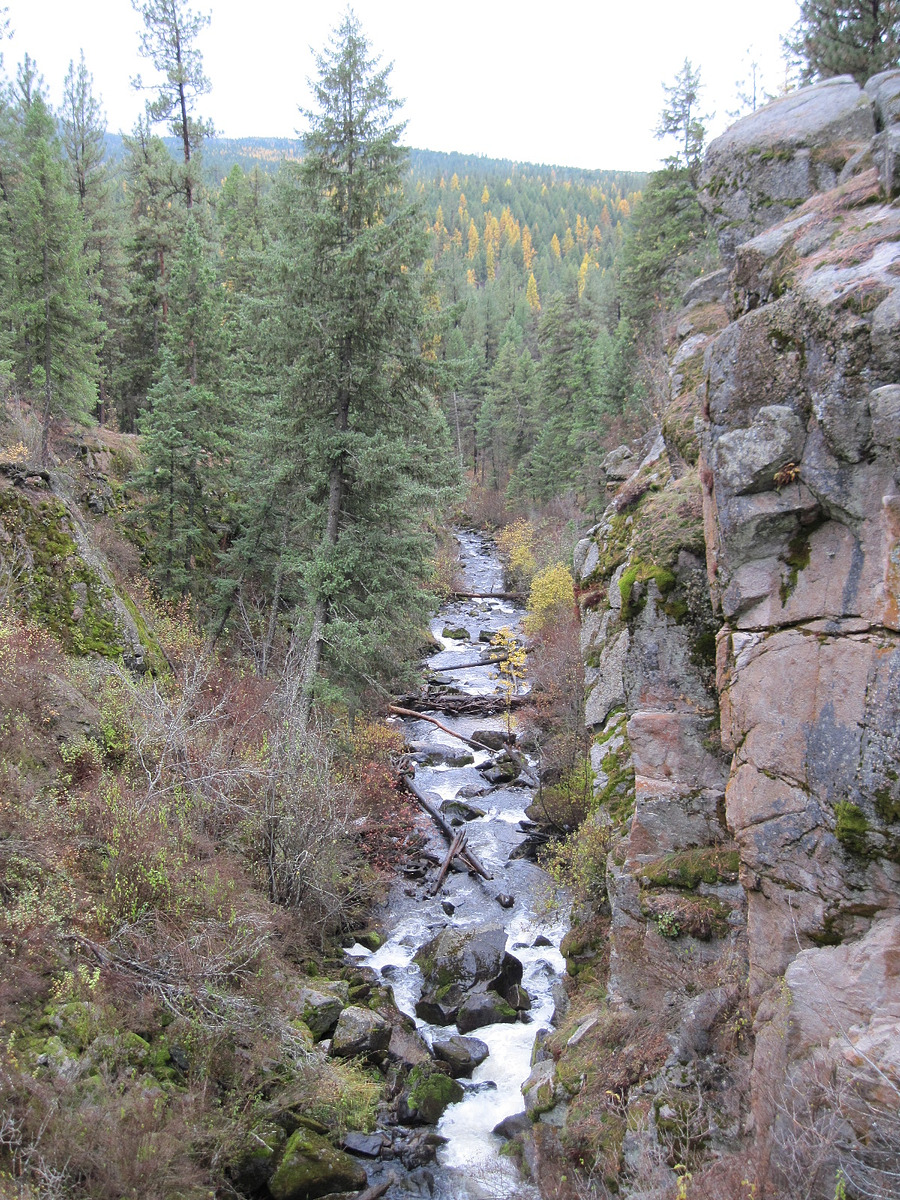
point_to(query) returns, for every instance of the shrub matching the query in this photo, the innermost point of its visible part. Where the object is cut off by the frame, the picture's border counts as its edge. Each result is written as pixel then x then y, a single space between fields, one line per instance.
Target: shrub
pixel 551 598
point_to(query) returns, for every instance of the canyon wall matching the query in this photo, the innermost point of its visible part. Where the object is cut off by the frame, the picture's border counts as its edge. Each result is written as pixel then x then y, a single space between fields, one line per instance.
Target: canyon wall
pixel 741 631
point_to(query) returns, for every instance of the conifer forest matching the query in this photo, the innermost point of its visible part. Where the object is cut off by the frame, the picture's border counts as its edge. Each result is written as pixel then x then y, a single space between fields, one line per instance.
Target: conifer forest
pixel 393 545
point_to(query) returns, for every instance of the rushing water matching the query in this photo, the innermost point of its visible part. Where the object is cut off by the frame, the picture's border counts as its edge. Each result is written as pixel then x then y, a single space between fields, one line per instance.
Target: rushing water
pixel 469 1166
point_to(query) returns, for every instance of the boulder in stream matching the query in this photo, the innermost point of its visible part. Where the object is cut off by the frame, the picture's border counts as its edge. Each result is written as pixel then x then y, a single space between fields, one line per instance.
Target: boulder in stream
pixel 462 1054
pixel 461 810
pixel 458 962
pixel 429 1090
pixel 482 1007
pixel 360 1032
pixel 320 1010
pixel 436 754
pixel 311 1166
pixel 494 739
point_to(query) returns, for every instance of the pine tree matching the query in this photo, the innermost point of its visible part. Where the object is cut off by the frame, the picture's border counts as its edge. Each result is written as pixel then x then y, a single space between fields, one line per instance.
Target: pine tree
pixel 170 463
pixel 83 126
pixel 153 186
pixel 52 326
pixel 531 294
pixel 241 214
pixel 858 39
pixel 567 400
pixel 681 119
pixel 362 446
pixel 187 431
pixel 171 30
pixel 668 226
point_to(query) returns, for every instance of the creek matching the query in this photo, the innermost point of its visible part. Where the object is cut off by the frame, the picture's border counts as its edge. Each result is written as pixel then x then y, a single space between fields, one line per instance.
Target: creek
pixel 469 1165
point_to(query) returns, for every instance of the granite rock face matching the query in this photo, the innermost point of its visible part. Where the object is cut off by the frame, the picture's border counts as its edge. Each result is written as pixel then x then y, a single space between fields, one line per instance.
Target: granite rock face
pixel 770 162
pixel 802 520
pixel 753 880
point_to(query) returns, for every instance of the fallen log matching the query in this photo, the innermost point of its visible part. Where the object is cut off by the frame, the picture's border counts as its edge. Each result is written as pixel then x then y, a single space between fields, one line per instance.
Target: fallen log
pixel 409 712
pixel 377 1191
pixel 457 846
pixel 455 705
pixel 468 856
pixel 476 662
pixel 488 595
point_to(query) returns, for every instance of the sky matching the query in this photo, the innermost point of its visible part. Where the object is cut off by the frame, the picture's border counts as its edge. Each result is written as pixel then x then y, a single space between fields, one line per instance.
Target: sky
pixel 580 85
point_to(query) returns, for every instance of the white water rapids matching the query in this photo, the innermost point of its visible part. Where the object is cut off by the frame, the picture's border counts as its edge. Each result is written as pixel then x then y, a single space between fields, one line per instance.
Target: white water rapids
pixel 470 1166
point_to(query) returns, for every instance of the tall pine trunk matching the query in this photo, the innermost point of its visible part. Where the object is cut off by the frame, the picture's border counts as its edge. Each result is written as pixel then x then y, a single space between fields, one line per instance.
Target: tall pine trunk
pixel 48 362
pixel 313 650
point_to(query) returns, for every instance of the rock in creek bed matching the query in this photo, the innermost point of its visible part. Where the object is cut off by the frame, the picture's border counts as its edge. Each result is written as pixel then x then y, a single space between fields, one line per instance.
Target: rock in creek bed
pixel 462 1054
pixel 461 964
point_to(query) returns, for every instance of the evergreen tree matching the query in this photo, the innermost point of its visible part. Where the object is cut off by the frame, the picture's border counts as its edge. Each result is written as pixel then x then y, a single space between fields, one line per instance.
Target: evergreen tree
pixel 51 324
pixel 171 30
pixel 360 443
pixel 567 400
pixel 171 461
pixel 83 126
pixel 668 226
pixel 681 119
pixel 241 214
pixel 858 39
pixel 155 223
pixel 187 430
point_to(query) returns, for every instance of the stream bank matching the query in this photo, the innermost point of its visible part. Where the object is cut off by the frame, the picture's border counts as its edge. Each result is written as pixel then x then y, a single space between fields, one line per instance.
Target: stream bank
pixel 428 937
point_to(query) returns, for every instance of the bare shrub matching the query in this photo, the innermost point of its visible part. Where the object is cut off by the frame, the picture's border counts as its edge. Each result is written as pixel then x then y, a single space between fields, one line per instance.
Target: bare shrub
pixel 485 507
pixel 554 715
pixel 831 1137
pixel 446 568
pixel 113 1139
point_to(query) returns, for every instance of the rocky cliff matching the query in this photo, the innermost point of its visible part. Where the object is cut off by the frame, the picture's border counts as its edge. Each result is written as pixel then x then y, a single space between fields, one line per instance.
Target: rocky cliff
pixel 745 710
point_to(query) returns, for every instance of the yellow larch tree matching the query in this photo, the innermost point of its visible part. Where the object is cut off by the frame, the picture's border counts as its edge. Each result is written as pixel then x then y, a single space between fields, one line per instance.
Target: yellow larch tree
pixel 583 274
pixel 554 246
pixel 470 277
pixel 485 195
pixel 474 241
pixel 454 183
pixel 568 244
pixel 528 250
pixel 531 295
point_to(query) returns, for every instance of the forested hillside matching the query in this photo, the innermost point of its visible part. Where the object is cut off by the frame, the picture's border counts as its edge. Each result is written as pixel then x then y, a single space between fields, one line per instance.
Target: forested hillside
pixel 521 260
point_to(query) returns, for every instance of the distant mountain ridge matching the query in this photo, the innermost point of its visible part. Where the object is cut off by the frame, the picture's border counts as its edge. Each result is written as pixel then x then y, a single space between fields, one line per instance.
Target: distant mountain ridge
pixel 221 154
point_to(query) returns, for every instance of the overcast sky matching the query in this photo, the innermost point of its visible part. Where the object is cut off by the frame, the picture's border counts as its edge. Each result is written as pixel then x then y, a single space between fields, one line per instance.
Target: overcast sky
pixel 575 84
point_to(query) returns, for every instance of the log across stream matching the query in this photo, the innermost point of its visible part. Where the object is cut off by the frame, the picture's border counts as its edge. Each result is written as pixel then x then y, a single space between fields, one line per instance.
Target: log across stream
pixel 470 1166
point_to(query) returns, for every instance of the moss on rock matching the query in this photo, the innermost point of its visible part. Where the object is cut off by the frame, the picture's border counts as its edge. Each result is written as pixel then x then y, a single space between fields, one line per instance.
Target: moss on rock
pixel 430 1091
pixel 59 590
pixel 310 1166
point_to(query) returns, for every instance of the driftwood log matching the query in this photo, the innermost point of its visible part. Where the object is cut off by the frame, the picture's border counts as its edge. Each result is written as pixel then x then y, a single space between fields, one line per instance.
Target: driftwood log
pixel 476 662
pixel 467 856
pixel 457 846
pixel 456 705
pixel 409 712
pixel 488 595
pixel 374 1193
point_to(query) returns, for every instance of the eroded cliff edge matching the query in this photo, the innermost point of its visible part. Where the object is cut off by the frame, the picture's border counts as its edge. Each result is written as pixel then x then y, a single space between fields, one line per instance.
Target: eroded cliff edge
pixel 747 1023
